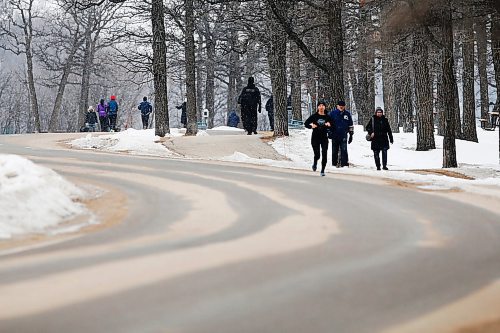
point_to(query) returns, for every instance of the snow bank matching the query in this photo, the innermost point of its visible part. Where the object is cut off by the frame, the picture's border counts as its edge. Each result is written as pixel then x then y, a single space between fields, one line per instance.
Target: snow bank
pixel 33 198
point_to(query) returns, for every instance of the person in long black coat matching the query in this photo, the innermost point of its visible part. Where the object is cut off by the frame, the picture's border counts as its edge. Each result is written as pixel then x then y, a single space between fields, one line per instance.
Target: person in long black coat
pixel 381 133
pixel 250 101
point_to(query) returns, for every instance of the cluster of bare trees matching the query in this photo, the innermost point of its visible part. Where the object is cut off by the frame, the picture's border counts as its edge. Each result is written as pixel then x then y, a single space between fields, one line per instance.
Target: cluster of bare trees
pixel 431 62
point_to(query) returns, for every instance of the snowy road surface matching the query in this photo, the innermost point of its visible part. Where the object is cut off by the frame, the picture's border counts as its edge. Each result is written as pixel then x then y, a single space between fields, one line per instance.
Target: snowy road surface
pixel 208 247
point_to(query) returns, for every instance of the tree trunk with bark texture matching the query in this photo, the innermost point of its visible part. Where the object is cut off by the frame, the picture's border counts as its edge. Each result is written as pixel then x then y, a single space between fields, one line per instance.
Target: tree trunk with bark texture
pixel 469 103
pixel 295 81
pixel 423 93
pixel 160 68
pixel 277 68
pixel 56 111
pixel 405 88
pixel 482 64
pixel 449 86
pixel 210 79
pixel 87 63
pixel 192 125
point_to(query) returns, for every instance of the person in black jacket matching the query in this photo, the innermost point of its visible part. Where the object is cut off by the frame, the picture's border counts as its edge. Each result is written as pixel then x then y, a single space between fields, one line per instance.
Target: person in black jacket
pixel 319 122
pixel 270 111
pixel 250 102
pixel 381 133
pixel 183 113
pixel 91 119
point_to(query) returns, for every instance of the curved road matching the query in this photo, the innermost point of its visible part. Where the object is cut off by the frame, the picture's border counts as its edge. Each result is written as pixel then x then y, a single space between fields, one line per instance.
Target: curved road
pixel 209 247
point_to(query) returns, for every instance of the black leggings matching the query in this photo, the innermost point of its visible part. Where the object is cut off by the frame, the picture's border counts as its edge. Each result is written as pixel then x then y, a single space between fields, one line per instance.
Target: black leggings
pixel 316 145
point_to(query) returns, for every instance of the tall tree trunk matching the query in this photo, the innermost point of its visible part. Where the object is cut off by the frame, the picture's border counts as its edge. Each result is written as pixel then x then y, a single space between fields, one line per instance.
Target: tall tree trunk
pixel 277 68
pixel 480 28
pixel 160 68
pixel 456 98
pixel 469 105
pixel 336 49
pixel 362 96
pixel 233 89
pixel 192 125
pixel 449 85
pixel 406 106
pixel 86 71
pixel 495 46
pixel 438 101
pixel 423 93
pixel 210 79
pixel 199 81
pixel 27 17
pixel 389 88
pixel 295 81
pixel 56 111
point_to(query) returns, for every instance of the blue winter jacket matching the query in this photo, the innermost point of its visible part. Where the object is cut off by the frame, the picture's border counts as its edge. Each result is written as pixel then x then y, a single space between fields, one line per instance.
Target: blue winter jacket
pixel 233 119
pixel 342 124
pixel 112 107
pixel 145 108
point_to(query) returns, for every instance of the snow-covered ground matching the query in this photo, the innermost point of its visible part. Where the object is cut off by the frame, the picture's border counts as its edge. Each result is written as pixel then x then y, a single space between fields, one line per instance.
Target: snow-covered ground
pixel 33 198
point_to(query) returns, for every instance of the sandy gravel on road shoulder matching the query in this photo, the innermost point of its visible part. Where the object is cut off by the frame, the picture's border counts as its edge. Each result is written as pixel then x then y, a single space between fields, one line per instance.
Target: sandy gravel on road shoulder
pixel 218 146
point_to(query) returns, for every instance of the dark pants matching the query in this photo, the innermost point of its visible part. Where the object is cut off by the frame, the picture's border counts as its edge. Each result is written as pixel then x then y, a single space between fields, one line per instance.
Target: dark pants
pixel 340 144
pixel 104 123
pixel 145 120
pixel 271 120
pixel 316 145
pixel 376 155
pixel 249 118
pixel 112 121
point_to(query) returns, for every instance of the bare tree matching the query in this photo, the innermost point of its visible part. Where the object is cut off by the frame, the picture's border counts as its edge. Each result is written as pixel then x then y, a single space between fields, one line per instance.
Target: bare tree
pixel 18 32
pixel 192 126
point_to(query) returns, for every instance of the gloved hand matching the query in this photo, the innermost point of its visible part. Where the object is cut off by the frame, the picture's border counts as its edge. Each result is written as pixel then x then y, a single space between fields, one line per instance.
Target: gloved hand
pixel 260 110
pixel 350 138
pixel 392 141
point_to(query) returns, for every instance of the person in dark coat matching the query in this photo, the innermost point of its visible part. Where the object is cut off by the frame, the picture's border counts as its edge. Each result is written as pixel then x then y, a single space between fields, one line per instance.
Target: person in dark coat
pixel 146 110
pixel 183 113
pixel 381 133
pixel 270 111
pixel 91 119
pixel 320 122
pixel 250 102
pixel 233 120
pixel 343 126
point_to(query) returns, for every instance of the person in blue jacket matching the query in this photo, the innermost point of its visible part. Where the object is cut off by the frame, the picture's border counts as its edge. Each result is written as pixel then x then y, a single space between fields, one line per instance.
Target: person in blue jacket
pixel 112 112
pixel 320 122
pixel 343 126
pixel 146 110
pixel 233 120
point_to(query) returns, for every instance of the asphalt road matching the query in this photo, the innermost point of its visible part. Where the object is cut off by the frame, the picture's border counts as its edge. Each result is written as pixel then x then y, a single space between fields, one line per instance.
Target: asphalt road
pixel 208 247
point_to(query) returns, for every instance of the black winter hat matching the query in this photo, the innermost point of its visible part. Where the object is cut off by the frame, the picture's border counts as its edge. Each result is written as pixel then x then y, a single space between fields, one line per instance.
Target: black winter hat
pixel 341 103
pixel 251 80
pixel 321 102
